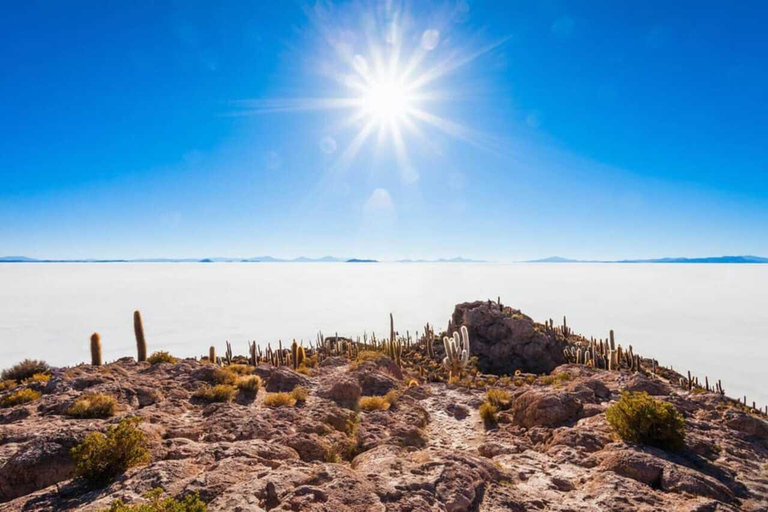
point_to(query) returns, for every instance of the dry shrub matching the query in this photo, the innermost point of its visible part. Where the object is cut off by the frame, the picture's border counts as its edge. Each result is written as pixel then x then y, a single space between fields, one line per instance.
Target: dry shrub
pixel 279 400
pixel 161 356
pixel 374 403
pixel 217 393
pixel 499 398
pixel 19 397
pixel 240 369
pixel 249 384
pixel 300 394
pixel 25 369
pixel 91 405
pixel 488 414
pixel 224 376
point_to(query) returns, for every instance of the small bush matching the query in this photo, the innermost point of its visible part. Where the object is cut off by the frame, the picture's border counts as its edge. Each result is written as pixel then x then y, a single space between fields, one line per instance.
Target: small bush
pixel 368 355
pixel 102 457
pixel 42 378
pixel 303 370
pixel 499 398
pixel 488 414
pixel 8 384
pixel 557 380
pixel 392 396
pixel 300 394
pixel 224 376
pixel 19 397
pixel 161 356
pixel 189 503
pixel 249 384
pixel 639 418
pixel 93 406
pixel 374 403
pixel 240 369
pixel 279 400
pixel 25 369
pixel 217 393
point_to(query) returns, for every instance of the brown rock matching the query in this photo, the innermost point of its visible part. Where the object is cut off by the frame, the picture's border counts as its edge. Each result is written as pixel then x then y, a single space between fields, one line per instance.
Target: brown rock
pixel 345 391
pixel 547 408
pixel 505 341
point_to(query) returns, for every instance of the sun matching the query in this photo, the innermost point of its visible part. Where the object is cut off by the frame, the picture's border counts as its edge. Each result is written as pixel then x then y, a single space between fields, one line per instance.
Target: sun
pixel 392 74
pixel 386 101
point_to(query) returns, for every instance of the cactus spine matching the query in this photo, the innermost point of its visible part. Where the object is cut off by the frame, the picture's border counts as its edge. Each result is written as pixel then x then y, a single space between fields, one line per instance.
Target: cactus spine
pixel 141 342
pixel 95 349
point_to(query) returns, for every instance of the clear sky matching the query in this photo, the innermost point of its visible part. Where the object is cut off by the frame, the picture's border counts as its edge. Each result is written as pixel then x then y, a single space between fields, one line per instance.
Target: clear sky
pixel 493 130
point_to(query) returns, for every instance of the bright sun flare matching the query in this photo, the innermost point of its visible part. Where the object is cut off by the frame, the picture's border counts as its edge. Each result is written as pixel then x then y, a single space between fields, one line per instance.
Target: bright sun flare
pixel 387 74
pixel 386 101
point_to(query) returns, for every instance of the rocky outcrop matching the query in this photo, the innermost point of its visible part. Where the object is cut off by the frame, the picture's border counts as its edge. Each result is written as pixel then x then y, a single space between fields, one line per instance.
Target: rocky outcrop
pixel 505 340
pixel 553 449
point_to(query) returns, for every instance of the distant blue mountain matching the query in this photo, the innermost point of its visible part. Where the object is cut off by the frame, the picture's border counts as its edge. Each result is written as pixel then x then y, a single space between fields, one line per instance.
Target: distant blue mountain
pixel 458 259
pixel 553 259
pixel 356 260
pixel 708 259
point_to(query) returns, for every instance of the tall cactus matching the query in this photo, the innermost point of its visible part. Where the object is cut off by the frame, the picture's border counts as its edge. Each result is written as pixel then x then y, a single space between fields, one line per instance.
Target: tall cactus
pixel 456 352
pixel 141 342
pixel 95 349
pixel 295 355
pixel 212 354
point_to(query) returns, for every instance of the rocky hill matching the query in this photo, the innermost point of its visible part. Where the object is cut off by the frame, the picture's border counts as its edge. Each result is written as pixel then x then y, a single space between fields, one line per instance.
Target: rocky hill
pixel 422 447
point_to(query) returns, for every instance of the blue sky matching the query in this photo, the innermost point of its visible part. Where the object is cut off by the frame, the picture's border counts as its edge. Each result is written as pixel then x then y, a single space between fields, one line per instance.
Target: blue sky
pixel 584 129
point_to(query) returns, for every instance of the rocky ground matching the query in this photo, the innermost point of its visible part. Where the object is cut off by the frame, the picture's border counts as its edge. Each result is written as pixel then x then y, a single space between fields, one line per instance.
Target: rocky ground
pixel 552 450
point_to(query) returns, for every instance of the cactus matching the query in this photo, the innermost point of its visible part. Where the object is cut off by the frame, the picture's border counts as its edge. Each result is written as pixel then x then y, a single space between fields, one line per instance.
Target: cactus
pixel 295 355
pixel 228 354
pixel 95 349
pixel 301 355
pixel 212 354
pixel 141 342
pixel 456 352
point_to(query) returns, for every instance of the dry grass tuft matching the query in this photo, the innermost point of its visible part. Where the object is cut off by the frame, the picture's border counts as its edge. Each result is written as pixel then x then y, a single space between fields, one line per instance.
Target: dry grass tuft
pixel 161 356
pixel 374 403
pixel 218 393
pixel 488 414
pixel 22 396
pixel 240 369
pixel 300 394
pixel 499 398
pixel 249 384
pixel 93 406
pixel 279 400
pixel 224 376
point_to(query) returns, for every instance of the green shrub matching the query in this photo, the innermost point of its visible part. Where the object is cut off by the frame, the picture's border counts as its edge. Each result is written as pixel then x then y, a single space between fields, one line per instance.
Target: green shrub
pixel 300 394
pixel 639 418
pixel 279 400
pixel 19 397
pixel 161 356
pixel 218 393
pixel 100 458
pixel 25 369
pixel 249 384
pixel 189 503
pixel 488 414
pixel 96 405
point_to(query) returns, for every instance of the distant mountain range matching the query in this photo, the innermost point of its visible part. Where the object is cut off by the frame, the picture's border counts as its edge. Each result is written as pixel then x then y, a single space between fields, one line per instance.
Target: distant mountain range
pixel 333 259
pixel 708 259
pixel 255 259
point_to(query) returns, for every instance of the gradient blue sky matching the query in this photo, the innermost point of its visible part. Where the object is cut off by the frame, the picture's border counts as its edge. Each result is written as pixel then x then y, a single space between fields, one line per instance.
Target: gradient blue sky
pixel 588 129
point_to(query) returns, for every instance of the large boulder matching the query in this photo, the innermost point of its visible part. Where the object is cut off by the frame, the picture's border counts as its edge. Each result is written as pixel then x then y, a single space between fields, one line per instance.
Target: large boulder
pixel 505 340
